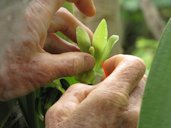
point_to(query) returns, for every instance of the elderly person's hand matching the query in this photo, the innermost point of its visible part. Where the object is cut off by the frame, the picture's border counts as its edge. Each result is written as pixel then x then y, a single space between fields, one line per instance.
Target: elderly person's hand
pixel 26 62
pixel 113 103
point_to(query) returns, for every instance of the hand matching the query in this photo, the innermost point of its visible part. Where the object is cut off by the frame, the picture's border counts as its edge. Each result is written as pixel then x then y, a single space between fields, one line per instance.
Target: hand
pixel 26 65
pixel 113 103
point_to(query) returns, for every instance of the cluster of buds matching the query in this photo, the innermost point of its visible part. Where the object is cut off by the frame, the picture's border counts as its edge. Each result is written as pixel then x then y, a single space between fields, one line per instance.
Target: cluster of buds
pixel 100 47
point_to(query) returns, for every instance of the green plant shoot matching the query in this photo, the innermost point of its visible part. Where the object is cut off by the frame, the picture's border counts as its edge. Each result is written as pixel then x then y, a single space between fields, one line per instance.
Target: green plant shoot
pixel 100 39
pixel 100 48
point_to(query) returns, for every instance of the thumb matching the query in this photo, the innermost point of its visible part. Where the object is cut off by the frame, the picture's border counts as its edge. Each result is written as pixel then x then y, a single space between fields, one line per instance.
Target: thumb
pixel 29 74
pixel 52 66
pixel 123 69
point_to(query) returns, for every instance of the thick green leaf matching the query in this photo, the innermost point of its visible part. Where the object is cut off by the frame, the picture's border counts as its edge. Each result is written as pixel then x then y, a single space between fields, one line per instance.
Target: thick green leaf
pixel 83 39
pixel 106 52
pixel 111 42
pixel 5 111
pixel 28 108
pixel 100 39
pixel 156 106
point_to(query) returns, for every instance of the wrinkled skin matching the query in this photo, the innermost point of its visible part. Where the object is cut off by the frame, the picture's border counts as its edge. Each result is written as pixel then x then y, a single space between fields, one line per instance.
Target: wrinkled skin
pixel 113 103
pixel 38 56
pixel 27 65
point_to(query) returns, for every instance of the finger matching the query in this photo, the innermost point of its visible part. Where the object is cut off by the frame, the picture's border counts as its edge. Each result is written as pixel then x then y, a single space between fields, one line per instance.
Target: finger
pixel 85 6
pixel 56 45
pixel 51 66
pixel 124 74
pixel 126 70
pixel 66 104
pixel 65 22
pixel 76 93
pixel 44 8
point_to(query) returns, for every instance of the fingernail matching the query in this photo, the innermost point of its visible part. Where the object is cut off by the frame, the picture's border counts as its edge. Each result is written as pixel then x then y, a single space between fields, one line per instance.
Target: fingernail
pixel 104 70
pixel 90 60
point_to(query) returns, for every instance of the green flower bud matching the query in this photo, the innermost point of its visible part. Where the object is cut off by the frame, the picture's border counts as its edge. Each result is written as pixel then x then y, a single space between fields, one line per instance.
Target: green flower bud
pixel 83 39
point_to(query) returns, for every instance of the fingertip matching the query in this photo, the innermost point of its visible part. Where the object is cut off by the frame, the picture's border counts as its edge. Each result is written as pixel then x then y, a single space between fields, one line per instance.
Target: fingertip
pixel 109 65
pixel 125 69
pixel 74 63
pixel 89 60
pixel 55 45
pixel 66 23
pixel 104 70
pixel 86 6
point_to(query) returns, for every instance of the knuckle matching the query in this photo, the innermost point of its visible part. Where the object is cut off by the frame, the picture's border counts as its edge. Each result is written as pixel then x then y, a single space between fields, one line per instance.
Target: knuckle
pixel 138 63
pixel 75 87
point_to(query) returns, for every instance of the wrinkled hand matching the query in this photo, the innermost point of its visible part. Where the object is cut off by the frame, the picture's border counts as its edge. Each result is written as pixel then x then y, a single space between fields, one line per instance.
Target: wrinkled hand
pixel 28 63
pixel 113 103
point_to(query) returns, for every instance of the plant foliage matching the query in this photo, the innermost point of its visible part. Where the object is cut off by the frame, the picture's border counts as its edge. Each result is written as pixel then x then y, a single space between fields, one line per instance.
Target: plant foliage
pixel 100 48
pixel 155 111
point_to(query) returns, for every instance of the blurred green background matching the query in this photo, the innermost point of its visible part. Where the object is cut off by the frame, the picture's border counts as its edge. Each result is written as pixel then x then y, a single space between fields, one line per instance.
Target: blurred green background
pixel 139 37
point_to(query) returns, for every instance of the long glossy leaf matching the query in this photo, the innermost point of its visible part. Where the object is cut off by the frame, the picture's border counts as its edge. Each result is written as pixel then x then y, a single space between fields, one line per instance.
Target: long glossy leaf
pixel 100 39
pixel 27 105
pixel 156 106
